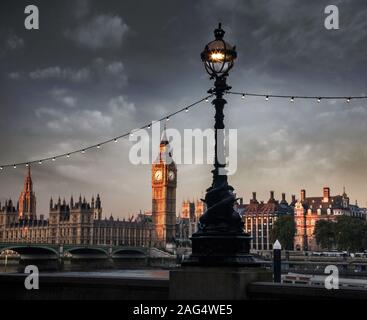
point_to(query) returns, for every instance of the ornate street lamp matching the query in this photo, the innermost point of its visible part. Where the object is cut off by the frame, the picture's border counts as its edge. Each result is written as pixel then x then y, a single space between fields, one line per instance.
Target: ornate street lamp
pixel 220 240
pixel 218 56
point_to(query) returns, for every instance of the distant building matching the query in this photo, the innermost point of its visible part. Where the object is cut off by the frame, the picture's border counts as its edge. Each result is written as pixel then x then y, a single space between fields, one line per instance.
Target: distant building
pixel 259 218
pixel 77 222
pixel 164 184
pixel 81 222
pixel 187 222
pixel 363 212
pixel 309 210
pixel 27 199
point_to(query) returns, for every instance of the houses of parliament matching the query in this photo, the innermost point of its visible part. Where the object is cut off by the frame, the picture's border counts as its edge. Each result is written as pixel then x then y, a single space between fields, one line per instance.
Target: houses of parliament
pixel 80 221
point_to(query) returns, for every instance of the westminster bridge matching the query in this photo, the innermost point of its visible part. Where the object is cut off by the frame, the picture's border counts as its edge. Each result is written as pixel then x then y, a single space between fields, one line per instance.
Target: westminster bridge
pixel 81 257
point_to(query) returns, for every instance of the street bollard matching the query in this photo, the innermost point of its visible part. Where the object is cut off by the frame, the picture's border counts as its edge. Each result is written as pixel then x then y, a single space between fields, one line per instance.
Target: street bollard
pixel 277 262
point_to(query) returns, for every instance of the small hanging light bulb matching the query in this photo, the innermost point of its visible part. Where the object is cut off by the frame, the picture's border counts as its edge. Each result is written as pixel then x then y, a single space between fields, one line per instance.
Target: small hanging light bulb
pixel 1 168
pixel 267 98
pixel 149 126
pixel 53 159
pixel 98 147
pixel 68 156
pixel 115 140
pixel 243 96
pixel 187 110
pixel 40 162
pixel 15 166
pixel 27 165
pixel 318 100
pixel 292 99
pixel 167 119
pixel 348 99
pixel 206 100
pixel 83 151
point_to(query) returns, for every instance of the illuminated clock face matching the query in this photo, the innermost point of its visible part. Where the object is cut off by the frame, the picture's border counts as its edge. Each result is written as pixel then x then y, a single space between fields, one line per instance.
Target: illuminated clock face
pixel 158 175
pixel 171 175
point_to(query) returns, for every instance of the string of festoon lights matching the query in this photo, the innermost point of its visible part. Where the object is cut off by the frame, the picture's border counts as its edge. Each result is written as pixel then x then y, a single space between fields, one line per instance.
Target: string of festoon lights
pixel 67 155
pixel 293 98
pixel 243 95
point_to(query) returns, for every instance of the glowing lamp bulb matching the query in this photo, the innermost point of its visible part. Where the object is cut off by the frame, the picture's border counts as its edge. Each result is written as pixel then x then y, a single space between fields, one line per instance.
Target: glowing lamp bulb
pixel 217 56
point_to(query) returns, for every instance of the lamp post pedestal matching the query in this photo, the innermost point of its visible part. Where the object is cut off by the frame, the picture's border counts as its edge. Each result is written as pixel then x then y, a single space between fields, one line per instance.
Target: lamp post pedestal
pixel 221 250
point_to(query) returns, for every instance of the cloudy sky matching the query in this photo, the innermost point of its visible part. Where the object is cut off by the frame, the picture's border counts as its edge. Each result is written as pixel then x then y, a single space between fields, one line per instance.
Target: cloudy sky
pixel 97 69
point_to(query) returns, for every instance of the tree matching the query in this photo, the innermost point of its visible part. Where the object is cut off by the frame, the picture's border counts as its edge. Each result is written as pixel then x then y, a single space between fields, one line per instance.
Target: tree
pixel 284 230
pixel 345 234
pixel 349 233
pixel 364 237
pixel 325 234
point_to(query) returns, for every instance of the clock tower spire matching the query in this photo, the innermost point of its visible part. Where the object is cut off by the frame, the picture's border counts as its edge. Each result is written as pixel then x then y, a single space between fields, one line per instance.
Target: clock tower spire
pixel 164 183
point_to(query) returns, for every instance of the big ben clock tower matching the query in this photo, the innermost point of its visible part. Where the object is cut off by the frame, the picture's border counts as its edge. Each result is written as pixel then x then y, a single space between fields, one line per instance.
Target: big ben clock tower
pixel 164 183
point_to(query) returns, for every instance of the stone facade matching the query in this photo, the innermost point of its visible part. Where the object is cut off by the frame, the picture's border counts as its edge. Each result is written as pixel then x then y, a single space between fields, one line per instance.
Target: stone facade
pixel 77 222
pixel 259 218
pixel 164 183
pixel 309 210
pixel 27 199
pixel 187 222
pixel 81 222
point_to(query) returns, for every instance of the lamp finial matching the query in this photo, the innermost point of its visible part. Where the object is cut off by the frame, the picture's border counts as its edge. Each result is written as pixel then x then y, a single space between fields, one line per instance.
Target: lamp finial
pixel 219 32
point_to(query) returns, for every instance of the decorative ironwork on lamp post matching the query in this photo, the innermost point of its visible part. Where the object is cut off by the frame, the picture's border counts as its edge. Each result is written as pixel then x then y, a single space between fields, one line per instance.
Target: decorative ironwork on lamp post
pixel 220 239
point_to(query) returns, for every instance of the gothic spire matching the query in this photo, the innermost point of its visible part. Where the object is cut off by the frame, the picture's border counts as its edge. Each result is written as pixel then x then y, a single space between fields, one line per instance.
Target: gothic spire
pixel 164 139
pixel 98 202
pixel 344 193
pixel 28 185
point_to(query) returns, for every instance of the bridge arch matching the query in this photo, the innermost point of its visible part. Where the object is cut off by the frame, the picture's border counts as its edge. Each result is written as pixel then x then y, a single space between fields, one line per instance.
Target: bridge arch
pixel 129 252
pixel 86 251
pixel 31 249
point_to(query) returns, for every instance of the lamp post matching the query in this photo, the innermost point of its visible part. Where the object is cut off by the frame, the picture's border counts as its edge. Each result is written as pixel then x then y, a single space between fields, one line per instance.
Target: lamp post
pixel 220 239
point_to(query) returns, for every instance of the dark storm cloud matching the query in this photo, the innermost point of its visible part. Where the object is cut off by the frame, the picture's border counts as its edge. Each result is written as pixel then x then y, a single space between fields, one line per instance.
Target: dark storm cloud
pixel 96 69
pixel 102 31
pixel 81 8
pixel 10 42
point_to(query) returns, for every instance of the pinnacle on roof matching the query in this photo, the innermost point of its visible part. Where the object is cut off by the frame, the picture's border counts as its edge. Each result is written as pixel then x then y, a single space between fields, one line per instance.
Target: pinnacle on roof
pixel 164 139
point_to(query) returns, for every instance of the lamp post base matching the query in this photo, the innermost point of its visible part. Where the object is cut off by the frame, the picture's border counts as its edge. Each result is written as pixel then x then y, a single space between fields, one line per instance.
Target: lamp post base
pixel 221 249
